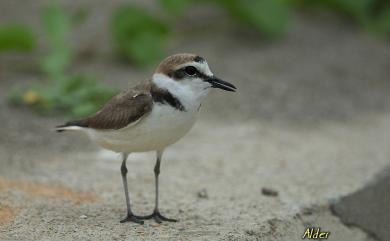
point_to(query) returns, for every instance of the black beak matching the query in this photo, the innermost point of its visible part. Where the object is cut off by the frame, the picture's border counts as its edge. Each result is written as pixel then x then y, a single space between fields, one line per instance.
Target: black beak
pixel 218 83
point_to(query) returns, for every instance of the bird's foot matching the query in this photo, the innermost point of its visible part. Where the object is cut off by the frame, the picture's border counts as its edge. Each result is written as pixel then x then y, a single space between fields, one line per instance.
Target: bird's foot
pixel 158 217
pixel 132 218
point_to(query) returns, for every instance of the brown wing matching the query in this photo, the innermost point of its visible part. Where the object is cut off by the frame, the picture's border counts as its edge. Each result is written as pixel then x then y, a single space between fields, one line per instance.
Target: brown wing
pixel 125 108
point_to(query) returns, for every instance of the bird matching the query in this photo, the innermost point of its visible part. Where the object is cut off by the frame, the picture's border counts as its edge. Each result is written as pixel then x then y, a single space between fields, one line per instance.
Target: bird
pixel 151 116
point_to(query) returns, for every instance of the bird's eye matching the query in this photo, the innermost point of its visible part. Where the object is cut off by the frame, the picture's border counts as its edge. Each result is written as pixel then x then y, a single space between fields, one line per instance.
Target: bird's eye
pixel 190 70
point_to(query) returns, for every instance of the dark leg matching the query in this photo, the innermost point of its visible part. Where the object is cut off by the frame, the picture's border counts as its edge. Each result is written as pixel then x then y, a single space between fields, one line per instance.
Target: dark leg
pixel 156 215
pixel 130 216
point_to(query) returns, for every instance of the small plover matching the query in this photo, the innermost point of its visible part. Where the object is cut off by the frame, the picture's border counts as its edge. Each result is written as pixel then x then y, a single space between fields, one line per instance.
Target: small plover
pixel 152 116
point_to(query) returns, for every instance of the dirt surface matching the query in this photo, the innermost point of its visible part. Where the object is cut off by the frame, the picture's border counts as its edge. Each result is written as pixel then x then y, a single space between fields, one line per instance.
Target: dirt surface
pixel 310 122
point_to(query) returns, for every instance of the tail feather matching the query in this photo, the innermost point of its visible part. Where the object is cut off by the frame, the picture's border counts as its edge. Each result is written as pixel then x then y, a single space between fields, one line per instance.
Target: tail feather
pixel 71 125
pixel 62 128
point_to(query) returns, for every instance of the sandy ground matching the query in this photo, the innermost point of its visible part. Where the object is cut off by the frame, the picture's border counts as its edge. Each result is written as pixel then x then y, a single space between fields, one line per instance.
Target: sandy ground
pixel 310 121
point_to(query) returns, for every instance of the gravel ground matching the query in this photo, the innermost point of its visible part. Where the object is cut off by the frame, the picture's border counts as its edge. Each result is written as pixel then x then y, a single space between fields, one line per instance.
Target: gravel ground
pixel 310 124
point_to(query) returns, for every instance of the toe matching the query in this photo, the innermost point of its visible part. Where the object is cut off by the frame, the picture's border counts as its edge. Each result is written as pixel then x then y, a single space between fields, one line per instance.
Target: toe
pixel 132 218
pixel 162 218
pixel 157 219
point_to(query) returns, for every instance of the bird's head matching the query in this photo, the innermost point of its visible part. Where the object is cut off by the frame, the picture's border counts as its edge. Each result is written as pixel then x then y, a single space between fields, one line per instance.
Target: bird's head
pixel 190 71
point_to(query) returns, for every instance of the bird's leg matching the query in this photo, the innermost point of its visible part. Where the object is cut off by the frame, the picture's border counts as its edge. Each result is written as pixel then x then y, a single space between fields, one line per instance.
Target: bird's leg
pixel 156 215
pixel 130 216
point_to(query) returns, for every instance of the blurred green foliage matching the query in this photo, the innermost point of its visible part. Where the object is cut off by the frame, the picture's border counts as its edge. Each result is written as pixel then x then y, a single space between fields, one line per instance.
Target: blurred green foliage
pixel 373 15
pixel 175 7
pixel 354 8
pixel 57 25
pixel 16 37
pixel 381 23
pixel 270 17
pixel 140 36
pixel 76 95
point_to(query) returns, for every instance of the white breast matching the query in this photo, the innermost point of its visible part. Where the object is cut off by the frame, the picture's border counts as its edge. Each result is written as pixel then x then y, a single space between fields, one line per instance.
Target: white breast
pixel 162 127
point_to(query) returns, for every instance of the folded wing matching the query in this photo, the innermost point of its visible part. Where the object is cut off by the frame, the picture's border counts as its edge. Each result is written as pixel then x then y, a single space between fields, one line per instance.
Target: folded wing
pixel 123 109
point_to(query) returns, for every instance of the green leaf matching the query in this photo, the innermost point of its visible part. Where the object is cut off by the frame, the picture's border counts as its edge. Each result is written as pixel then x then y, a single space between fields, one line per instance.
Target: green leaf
pixel 138 36
pixel 56 62
pixel 16 37
pixel 267 16
pixel 56 24
pixel 358 9
pixel 175 7
pixel 380 23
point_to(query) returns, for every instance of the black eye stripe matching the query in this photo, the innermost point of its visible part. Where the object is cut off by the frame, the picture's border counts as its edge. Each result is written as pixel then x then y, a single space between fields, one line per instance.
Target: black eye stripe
pixel 182 73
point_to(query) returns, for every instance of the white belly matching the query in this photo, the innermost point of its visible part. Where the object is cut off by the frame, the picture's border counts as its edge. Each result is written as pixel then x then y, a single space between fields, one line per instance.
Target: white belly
pixel 162 127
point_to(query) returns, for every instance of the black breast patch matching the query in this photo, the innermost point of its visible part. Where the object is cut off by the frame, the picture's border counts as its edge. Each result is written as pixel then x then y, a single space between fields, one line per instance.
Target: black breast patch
pixel 165 97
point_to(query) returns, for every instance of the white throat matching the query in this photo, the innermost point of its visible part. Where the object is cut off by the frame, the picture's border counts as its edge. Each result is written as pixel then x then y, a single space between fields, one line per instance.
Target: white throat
pixel 190 92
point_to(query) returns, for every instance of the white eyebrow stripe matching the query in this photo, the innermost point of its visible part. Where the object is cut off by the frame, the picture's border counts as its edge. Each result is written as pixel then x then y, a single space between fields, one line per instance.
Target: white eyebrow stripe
pixel 203 67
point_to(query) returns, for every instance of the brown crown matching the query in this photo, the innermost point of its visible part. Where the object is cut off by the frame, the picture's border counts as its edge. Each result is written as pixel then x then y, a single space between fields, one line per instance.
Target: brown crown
pixel 170 63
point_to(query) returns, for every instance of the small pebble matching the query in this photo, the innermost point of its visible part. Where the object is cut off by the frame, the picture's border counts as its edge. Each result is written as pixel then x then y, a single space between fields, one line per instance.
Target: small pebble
pixel 269 192
pixel 307 211
pixel 203 194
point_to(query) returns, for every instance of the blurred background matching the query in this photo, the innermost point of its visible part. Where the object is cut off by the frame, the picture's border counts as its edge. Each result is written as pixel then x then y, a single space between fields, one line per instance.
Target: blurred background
pixel 304 142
